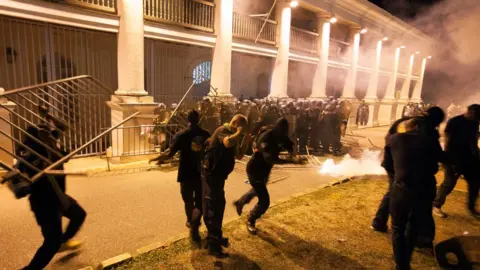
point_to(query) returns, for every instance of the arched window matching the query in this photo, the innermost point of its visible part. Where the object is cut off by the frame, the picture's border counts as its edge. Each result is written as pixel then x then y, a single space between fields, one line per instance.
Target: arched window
pixel 202 72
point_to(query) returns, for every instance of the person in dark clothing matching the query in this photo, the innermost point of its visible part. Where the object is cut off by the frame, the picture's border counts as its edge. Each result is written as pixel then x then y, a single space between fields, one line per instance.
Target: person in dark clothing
pixel 48 199
pixel 461 146
pixel 381 217
pixel 267 146
pixel 225 114
pixel 331 130
pixel 191 145
pixel 427 125
pixel 229 141
pixel 315 129
pixel 362 114
pixel 413 158
pixel 302 132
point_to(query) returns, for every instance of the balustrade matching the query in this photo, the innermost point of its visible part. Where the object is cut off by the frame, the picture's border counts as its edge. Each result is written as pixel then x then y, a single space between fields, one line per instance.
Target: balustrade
pixel 196 14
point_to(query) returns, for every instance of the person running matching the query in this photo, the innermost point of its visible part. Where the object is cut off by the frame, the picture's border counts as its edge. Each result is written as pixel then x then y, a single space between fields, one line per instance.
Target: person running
pixel 48 199
pixel 267 147
pixel 461 146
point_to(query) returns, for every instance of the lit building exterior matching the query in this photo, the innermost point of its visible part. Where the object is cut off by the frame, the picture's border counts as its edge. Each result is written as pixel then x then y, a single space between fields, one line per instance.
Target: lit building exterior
pixel 153 52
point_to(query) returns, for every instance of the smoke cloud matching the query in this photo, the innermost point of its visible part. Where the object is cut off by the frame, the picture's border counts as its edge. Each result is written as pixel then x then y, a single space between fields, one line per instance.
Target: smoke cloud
pixel 452 75
pixel 368 164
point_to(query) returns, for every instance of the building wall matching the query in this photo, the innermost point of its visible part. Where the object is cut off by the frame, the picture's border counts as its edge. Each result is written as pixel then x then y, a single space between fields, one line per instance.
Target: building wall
pixel 251 75
pixel 361 85
pixel 336 81
pixel 337 49
pixel 300 79
pixel 382 85
pixel 34 52
pixel 169 70
pixel 304 19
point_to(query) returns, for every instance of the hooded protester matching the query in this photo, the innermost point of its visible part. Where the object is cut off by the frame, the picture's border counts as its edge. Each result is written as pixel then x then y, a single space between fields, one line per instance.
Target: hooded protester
pixel 267 147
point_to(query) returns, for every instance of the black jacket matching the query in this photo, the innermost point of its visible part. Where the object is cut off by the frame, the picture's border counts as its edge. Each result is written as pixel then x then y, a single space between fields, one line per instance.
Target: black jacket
pixel 191 145
pixel 414 157
pixel 267 148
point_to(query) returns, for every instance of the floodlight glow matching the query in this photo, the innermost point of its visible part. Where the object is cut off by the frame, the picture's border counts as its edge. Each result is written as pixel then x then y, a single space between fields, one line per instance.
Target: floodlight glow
pixel 403 47
pixel 294 3
pixel 385 39
pixel 417 52
pixel 363 31
pixel 333 20
pixel 429 57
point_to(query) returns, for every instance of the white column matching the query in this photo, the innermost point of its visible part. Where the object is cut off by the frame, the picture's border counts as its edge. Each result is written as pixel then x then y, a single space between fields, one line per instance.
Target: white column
pixel 131 96
pixel 408 80
pixel 373 82
pixel 130 49
pixel 319 86
pixel 222 53
pixel 279 84
pixel 390 93
pixel 387 108
pixel 350 83
pixel 417 91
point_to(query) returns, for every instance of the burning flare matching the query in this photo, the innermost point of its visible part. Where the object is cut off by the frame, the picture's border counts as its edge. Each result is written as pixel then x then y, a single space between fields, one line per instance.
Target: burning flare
pixel 368 164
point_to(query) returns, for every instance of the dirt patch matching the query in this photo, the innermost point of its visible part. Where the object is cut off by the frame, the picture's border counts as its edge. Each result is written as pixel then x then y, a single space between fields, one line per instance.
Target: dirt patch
pixel 327 229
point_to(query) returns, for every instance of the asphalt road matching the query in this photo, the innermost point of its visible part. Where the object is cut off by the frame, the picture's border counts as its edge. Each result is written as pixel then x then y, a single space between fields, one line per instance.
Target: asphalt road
pixel 125 212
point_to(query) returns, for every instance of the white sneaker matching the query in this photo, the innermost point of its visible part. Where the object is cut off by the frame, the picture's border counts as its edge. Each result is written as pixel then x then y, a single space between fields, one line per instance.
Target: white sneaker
pixel 439 213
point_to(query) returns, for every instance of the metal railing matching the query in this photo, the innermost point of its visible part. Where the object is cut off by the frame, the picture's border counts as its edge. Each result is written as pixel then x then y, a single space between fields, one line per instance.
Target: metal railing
pixel 248 28
pixel 79 102
pixel 128 141
pixel 195 14
pixel 100 5
pixel 41 154
pixel 303 40
pixel 338 49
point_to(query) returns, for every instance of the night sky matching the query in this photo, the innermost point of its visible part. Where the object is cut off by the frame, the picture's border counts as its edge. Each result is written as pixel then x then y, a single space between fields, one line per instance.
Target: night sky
pixel 404 8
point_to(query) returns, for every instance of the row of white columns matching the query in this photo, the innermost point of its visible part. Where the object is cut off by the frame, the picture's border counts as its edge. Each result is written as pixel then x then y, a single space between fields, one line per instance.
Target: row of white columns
pixel 222 59
pixel 131 60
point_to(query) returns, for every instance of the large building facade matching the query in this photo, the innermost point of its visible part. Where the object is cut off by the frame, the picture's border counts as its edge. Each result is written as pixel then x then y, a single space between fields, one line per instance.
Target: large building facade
pixel 152 51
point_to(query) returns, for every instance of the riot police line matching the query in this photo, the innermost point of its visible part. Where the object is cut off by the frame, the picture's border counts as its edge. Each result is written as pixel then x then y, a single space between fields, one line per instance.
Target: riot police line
pixel 317 124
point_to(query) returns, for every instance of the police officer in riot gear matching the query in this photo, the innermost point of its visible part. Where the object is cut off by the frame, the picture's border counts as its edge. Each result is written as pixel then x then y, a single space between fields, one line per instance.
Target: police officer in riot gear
pixel 301 131
pixel 331 129
pixel 227 143
pixel 362 114
pixel 190 143
pixel 267 146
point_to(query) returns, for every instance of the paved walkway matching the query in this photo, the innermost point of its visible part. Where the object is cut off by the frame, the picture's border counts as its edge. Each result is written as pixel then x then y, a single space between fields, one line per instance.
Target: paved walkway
pixel 125 212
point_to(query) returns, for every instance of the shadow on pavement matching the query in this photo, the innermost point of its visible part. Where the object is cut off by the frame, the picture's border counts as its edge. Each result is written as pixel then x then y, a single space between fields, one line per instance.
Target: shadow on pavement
pixel 67 257
pixel 306 254
pixel 234 261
